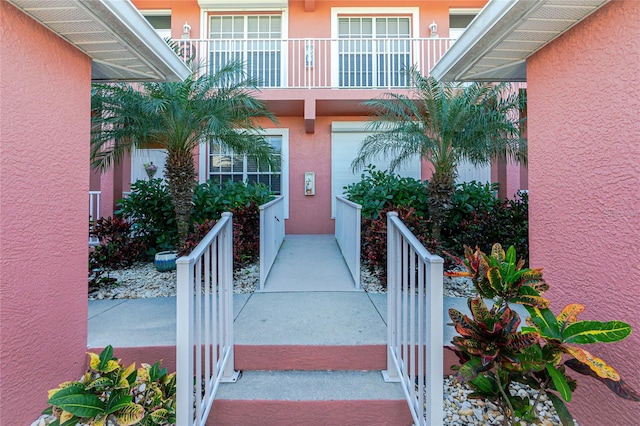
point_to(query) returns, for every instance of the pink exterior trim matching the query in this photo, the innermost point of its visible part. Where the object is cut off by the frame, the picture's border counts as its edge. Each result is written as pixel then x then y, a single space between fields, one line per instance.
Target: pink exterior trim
pixel 585 203
pixel 44 180
pixel 310 357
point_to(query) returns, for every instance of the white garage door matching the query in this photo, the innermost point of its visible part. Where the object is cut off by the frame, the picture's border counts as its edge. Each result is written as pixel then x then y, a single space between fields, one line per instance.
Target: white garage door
pixel 346 137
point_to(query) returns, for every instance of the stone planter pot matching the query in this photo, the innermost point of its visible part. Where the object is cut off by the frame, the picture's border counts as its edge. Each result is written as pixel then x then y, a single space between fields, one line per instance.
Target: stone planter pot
pixel 165 261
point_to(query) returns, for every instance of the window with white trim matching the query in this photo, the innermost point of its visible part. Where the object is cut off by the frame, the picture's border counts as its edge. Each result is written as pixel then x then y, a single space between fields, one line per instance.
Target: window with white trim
pixel 374 51
pixel 225 166
pixel 160 20
pixel 254 40
pixel 459 20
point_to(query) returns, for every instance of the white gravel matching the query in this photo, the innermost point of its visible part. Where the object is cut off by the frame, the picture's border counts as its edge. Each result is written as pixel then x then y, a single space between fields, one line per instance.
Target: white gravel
pixel 453 287
pixel 143 281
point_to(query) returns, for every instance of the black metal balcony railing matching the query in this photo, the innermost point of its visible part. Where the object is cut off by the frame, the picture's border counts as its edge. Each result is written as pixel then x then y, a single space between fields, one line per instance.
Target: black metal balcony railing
pixel 321 63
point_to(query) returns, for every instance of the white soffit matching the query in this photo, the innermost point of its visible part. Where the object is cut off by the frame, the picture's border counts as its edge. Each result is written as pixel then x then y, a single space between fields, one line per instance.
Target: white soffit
pixel 121 43
pixel 496 44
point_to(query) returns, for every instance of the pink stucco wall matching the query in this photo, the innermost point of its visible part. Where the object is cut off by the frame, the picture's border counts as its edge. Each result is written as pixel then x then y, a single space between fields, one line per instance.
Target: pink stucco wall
pixel 584 180
pixel 44 179
pixel 309 153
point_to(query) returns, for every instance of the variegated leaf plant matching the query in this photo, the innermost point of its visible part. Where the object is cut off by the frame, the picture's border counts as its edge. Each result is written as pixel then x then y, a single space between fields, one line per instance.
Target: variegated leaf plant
pixel 109 394
pixel 494 353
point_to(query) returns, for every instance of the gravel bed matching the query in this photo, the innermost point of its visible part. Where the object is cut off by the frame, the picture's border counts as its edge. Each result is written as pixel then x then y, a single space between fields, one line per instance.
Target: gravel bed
pixel 453 287
pixel 143 281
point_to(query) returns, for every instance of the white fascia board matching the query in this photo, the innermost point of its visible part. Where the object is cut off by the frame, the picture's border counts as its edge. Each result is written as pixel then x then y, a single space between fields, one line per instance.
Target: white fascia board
pixel 486 20
pixel 173 69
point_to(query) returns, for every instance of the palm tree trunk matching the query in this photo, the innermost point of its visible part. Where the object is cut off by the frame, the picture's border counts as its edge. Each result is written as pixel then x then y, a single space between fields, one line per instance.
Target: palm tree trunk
pixel 439 192
pixel 181 174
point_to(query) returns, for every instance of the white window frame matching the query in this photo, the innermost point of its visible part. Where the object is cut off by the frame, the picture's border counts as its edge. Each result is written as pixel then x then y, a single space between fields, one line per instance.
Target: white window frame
pixel 457 32
pixel 207 12
pixel 337 12
pixel 284 158
pixel 164 32
pixel 244 46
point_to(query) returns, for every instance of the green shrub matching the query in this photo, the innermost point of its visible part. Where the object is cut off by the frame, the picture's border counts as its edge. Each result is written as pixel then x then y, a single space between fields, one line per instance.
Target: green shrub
pixel 506 221
pixel 210 199
pixel 380 190
pixel 374 238
pixel 246 234
pixel 150 209
pixel 468 198
pixel 117 247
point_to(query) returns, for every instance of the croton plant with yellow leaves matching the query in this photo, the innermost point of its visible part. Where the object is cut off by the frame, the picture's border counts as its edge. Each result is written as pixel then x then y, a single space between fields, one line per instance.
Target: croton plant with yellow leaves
pixel 494 352
pixel 110 394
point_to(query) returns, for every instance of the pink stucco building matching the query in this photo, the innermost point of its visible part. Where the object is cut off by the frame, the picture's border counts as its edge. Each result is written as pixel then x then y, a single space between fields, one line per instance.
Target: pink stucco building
pixel 316 66
pixel 584 151
pixel 45 88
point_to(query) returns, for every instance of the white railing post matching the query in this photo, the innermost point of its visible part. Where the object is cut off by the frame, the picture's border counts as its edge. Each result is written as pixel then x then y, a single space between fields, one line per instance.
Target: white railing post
pixel 271 235
pixel 435 340
pixel 184 343
pixel 313 63
pixel 204 323
pixel 347 232
pixel 226 272
pixel 414 322
pixel 391 373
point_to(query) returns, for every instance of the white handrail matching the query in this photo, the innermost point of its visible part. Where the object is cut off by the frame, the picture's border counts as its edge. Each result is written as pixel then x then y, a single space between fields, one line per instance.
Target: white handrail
pixel 204 345
pixel 414 322
pixel 271 235
pixel 375 63
pixel 347 231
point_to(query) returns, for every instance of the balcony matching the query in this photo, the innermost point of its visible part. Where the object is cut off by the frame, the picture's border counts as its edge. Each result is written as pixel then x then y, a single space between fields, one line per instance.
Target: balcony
pixel 345 63
pixel 342 72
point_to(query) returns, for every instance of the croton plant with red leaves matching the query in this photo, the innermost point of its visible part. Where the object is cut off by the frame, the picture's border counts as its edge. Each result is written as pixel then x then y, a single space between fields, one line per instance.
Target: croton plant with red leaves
pixel 494 351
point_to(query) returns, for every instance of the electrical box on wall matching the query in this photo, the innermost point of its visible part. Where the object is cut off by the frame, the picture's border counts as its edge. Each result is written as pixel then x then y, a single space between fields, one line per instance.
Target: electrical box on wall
pixel 309 183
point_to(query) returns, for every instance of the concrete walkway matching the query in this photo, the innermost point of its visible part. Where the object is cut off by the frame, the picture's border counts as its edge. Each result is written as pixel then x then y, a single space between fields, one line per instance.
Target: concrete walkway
pixel 309 297
pixel 309 263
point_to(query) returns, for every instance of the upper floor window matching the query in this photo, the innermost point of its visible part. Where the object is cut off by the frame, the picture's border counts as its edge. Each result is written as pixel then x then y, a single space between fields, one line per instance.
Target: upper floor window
pixel 160 21
pixel 254 40
pixel 373 51
pixel 459 20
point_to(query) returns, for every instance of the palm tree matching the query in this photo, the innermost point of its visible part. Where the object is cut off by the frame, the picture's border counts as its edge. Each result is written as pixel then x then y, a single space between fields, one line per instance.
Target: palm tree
pixel 179 116
pixel 444 124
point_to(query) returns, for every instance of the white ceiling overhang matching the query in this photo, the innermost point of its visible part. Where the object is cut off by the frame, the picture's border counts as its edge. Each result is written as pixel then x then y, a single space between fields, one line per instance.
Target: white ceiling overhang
pixel 496 45
pixel 121 43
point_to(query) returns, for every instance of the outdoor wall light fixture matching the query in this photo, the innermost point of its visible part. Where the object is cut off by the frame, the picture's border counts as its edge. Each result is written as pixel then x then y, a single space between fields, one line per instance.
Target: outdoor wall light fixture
pixel 433 27
pixel 186 30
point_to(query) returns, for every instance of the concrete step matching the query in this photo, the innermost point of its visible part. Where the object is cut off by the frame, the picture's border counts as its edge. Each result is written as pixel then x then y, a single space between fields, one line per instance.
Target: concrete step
pixel 279 398
pixel 310 357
